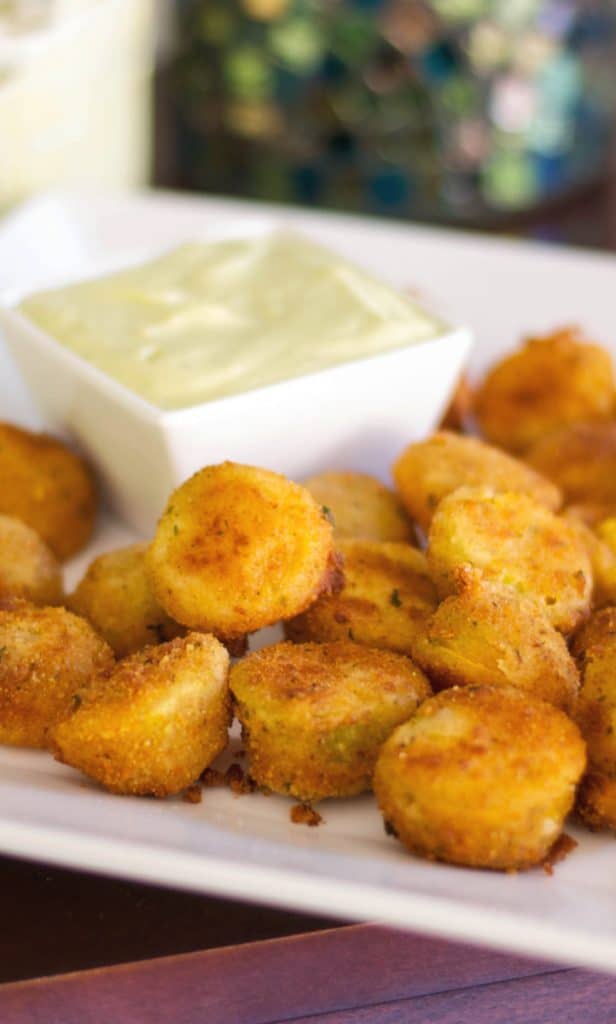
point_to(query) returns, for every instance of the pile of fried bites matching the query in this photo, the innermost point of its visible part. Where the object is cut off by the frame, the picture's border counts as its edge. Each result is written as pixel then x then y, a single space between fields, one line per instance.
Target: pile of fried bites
pixel 451 646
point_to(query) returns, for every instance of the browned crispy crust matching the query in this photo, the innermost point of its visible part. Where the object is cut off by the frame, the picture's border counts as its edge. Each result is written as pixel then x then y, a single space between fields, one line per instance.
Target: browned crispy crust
pixel 115 596
pixel 602 559
pixel 359 505
pixel 428 471
pixel 28 567
pixel 239 548
pixel 193 795
pixel 48 487
pixel 548 383
pixel 487 634
pixel 581 460
pixel 595 713
pixel 153 724
pixel 480 776
pixel 559 852
pixel 512 540
pixel 47 657
pixel 596 801
pixel 333 577
pixel 314 715
pixel 600 628
pixel 386 597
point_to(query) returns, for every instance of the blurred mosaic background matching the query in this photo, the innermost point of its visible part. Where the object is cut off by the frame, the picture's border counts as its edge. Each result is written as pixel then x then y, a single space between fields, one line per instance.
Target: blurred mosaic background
pixel 450 110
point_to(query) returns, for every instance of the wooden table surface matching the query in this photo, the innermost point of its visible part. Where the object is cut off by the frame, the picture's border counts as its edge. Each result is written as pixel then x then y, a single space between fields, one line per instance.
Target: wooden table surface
pixel 79 949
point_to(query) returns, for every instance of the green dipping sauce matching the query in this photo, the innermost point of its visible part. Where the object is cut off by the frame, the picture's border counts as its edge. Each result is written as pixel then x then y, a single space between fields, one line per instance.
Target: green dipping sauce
pixel 209 320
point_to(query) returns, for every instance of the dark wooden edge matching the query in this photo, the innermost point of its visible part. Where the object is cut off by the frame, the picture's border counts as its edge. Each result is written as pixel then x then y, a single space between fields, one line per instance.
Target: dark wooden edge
pixel 562 997
pixel 336 971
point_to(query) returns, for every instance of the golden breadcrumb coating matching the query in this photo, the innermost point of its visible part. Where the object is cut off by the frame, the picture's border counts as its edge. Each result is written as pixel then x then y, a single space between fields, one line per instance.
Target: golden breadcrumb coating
pixel 581 460
pixel 386 597
pixel 429 470
pixel 239 548
pixel 153 724
pixel 315 715
pixel 595 711
pixel 47 655
pixel 28 568
pixel 550 382
pixel 487 634
pixel 480 776
pixel 361 506
pixel 48 487
pixel 595 714
pixel 602 559
pixel 598 628
pixel 116 596
pixel 596 801
pixel 512 540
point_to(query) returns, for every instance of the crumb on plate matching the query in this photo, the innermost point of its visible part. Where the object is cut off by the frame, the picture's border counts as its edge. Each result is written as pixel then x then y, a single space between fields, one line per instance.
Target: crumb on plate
pixel 193 794
pixel 238 781
pixel 561 849
pixel 304 814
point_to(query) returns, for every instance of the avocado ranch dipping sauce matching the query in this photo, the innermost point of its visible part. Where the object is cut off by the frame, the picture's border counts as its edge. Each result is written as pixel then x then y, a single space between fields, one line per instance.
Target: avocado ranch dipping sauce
pixel 208 320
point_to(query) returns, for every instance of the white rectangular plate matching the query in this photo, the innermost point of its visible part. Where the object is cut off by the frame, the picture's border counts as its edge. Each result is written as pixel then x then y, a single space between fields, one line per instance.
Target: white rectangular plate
pixel 245 847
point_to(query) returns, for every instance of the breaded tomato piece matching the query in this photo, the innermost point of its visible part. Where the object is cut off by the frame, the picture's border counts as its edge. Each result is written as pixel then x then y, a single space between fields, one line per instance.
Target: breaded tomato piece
pixel 550 382
pixel 600 627
pixel 428 471
pixel 602 559
pixel 596 801
pixel 314 715
pixel 487 634
pixel 386 598
pixel 595 714
pixel 239 548
pixel 28 569
pixel 361 506
pixel 515 541
pixel 480 776
pixel 47 655
pixel 116 596
pixel 581 460
pixel 595 710
pixel 156 722
pixel 48 487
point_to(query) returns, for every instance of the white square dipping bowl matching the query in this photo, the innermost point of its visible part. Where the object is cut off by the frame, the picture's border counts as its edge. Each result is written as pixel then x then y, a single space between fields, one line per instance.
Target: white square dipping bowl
pixel 356 416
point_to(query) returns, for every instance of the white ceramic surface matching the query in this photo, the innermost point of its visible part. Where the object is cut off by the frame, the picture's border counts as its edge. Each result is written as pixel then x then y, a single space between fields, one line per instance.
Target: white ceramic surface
pixel 246 847
pixel 358 415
